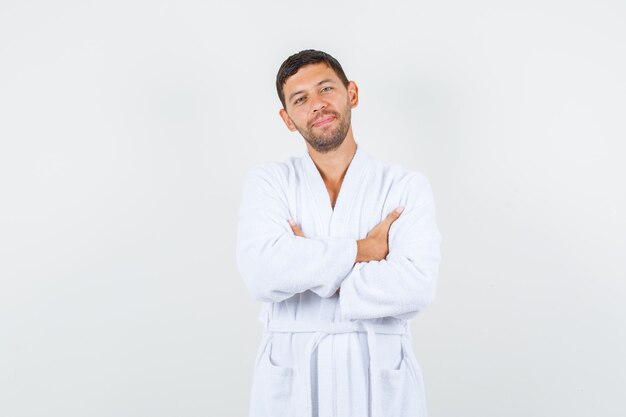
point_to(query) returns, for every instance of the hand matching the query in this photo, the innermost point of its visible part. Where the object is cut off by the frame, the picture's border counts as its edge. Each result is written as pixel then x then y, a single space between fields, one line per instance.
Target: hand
pixel 375 246
pixel 296 230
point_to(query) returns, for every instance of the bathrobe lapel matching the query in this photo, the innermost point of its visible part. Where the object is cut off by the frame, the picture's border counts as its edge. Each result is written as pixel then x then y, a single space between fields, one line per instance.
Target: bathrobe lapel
pixel 334 222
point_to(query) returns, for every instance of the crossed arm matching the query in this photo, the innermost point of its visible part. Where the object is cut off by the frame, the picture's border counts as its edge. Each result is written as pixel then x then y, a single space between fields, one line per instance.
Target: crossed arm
pixel 277 261
pixel 375 246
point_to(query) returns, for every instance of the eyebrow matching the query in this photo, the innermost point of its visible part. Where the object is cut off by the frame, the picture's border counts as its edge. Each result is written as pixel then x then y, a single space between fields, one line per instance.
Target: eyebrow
pixel 327 80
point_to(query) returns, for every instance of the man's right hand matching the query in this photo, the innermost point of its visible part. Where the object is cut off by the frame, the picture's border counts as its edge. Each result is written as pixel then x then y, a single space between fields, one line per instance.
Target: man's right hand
pixel 375 246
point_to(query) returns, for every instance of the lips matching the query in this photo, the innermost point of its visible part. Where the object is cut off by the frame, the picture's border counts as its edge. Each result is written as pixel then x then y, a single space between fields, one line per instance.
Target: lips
pixel 324 121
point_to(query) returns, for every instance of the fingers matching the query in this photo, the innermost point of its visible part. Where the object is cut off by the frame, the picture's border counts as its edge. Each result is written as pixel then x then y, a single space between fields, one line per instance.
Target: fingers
pixel 295 228
pixel 385 224
pixel 393 216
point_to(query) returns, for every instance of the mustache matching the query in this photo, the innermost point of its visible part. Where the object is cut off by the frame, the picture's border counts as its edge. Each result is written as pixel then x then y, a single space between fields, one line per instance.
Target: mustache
pixel 323 115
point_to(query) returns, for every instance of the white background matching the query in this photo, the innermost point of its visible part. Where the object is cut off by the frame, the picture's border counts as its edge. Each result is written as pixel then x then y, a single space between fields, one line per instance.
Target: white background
pixel 125 131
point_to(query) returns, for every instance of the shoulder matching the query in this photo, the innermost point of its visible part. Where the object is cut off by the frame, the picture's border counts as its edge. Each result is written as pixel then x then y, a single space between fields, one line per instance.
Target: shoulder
pixel 273 174
pixel 409 185
pixel 400 177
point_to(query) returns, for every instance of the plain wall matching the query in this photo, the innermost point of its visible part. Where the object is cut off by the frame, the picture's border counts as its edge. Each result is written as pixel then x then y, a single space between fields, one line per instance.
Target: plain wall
pixel 126 128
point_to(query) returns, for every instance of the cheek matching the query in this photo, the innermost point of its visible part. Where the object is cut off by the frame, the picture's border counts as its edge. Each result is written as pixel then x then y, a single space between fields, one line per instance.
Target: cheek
pixel 300 116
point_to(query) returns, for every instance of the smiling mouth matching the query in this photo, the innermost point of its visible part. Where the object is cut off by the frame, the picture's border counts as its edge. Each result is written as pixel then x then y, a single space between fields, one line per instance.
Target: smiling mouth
pixel 324 121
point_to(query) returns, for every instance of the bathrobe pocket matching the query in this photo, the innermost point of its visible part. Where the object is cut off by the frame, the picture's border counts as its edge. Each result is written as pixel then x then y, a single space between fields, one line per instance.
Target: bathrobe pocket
pixel 273 386
pixel 392 384
pixel 400 395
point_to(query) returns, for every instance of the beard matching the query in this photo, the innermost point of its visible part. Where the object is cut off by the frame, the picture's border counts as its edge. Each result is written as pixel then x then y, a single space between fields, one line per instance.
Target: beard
pixel 328 139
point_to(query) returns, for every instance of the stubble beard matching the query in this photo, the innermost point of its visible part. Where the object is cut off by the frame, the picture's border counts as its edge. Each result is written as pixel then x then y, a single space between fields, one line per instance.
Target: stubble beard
pixel 330 140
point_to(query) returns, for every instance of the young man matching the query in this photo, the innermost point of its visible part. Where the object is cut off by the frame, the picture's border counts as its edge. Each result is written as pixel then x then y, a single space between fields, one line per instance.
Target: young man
pixel 324 244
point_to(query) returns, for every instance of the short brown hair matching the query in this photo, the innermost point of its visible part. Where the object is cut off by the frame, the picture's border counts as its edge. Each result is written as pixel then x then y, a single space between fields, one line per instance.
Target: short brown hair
pixel 299 60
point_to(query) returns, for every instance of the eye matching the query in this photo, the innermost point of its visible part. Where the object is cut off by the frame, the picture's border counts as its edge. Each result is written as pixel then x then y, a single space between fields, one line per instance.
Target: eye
pixel 298 100
pixel 327 88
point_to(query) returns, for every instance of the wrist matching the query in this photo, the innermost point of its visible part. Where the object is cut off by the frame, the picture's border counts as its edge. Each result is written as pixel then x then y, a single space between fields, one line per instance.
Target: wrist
pixel 361 248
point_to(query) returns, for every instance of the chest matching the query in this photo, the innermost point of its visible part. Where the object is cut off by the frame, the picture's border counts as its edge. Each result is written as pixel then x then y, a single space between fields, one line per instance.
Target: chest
pixel 351 210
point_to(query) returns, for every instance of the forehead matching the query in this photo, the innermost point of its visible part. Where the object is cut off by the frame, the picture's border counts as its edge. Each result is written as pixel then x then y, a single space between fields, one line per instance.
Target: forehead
pixel 308 76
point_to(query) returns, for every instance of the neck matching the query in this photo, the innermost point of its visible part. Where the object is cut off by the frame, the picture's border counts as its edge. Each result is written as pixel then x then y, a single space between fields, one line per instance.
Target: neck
pixel 333 165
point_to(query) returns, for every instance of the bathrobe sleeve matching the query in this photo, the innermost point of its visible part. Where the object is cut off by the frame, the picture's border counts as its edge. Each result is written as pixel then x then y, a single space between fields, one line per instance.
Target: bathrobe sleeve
pixel 274 263
pixel 404 283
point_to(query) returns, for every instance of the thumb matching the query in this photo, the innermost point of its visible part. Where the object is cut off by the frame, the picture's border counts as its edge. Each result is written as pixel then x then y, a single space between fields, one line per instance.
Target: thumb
pixel 294 227
pixel 391 217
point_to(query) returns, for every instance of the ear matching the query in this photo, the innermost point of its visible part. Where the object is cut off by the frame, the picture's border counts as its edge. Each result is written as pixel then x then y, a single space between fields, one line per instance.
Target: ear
pixel 283 115
pixel 353 94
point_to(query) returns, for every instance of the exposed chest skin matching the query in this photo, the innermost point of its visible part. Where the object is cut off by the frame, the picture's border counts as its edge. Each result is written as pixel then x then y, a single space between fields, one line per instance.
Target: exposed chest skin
pixel 333 192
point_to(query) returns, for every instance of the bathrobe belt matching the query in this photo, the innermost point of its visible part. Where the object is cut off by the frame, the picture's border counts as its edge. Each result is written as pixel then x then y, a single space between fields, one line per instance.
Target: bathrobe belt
pixel 323 329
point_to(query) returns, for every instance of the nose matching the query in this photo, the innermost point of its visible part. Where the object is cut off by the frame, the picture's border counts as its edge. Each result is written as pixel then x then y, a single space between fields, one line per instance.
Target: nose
pixel 317 103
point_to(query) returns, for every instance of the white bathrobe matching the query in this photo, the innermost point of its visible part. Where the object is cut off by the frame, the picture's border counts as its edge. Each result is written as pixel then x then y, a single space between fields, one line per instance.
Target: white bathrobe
pixel 323 353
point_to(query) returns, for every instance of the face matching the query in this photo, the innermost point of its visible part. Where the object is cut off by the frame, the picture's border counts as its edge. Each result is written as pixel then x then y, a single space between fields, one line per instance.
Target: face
pixel 318 105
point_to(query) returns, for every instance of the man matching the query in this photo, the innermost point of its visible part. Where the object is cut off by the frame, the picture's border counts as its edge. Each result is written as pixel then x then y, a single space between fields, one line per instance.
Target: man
pixel 324 244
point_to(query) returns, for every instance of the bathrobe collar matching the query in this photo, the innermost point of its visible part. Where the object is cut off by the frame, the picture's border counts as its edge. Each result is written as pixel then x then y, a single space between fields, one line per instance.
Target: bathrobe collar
pixel 333 222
